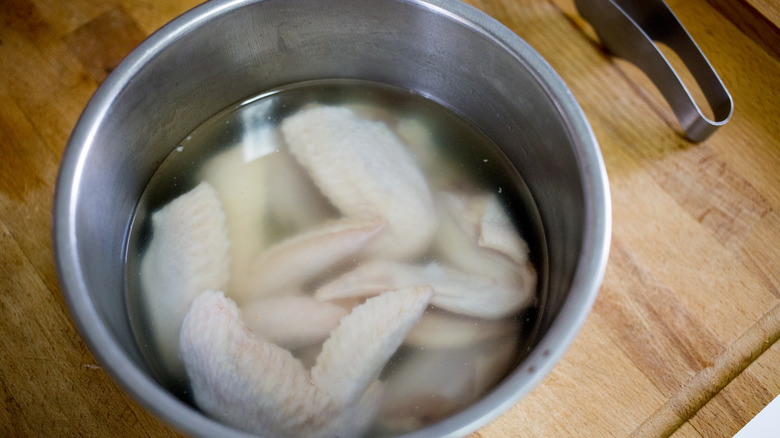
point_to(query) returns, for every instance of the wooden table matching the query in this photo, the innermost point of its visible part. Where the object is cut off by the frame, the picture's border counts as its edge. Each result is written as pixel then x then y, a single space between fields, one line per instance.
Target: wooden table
pixel 689 304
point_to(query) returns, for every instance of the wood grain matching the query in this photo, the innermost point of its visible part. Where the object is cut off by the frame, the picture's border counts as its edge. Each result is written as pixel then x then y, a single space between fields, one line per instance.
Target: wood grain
pixel 758 19
pixel 699 390
pixel 746 395
pixel 692 276
pixel 584 395
pixel 100 55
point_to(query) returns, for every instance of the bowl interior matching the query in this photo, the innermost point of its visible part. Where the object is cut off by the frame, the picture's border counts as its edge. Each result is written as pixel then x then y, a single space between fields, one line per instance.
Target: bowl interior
pixel 226 51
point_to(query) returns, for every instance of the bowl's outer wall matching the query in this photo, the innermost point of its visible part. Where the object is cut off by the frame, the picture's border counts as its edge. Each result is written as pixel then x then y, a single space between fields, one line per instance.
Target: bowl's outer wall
pixel 223 52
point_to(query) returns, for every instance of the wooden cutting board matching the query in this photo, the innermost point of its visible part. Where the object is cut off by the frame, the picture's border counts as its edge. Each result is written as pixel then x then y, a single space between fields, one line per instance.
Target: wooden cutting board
pixel 682 338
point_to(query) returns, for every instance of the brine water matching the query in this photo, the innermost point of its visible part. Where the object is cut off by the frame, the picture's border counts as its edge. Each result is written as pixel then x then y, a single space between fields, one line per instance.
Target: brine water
pixel 462 158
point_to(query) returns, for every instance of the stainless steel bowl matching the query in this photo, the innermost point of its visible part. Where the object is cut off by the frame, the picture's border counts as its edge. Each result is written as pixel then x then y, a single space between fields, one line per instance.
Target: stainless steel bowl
pixel 227 50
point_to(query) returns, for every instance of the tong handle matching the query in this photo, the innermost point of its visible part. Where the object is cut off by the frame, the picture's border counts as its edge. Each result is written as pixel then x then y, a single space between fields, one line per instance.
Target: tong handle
pixel 628 29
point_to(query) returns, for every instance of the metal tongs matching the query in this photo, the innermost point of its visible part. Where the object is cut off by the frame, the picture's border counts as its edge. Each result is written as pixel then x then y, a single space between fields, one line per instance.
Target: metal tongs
pixel 628 29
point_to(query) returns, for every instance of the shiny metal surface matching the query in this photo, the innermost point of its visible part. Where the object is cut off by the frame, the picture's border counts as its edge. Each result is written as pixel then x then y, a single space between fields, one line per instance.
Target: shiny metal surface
pixel 227 50
pixel 629 29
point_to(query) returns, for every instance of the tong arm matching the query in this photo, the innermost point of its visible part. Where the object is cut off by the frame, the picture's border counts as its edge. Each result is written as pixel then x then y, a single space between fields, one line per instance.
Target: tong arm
pixel 629 29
